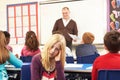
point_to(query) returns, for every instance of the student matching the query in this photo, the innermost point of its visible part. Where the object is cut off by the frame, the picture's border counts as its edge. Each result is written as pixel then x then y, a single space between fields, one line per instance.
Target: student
pixel 67 26
pixel 86 47
pixel 111 60
pixel 68 52
pixel 49 64
pixel 67 49
pixel 31 46
pixel 6 55
pixel 7 35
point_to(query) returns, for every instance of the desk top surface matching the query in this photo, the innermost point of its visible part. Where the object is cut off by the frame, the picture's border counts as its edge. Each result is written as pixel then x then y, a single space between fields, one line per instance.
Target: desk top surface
pixel 78 68
pixel 68 67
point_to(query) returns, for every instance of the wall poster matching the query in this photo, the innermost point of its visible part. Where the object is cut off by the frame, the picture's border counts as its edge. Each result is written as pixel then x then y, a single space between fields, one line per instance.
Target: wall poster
pixel 114 14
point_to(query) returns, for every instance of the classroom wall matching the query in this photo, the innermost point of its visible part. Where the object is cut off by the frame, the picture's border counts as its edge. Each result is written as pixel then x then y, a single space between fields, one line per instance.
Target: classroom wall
pixel 90 16
pixel 3 14
pixel 3 9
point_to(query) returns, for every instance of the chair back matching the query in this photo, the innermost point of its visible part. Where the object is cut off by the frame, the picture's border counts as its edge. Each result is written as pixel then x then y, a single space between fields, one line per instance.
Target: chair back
pixel 113 74
pixel 87 59
pixel 69 59
pixel 25 71
pixel 26 58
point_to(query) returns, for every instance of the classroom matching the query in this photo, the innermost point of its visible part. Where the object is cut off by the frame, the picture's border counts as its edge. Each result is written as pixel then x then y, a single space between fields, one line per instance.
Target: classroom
pixel 95 16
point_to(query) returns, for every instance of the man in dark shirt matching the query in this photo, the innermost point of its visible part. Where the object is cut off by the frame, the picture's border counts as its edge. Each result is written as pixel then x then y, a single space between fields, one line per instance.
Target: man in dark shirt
pixel 66 26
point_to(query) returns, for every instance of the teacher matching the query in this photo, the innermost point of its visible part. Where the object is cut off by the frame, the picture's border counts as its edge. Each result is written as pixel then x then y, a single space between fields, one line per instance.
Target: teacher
pixel 66 26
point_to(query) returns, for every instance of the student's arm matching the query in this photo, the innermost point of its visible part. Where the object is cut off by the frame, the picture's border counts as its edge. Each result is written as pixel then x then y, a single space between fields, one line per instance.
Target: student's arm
pixel 34 52
pixel 59 68
pixel 14 60
pixel 60 71
pixel 94 71
pixel 36 68
pixel 22 52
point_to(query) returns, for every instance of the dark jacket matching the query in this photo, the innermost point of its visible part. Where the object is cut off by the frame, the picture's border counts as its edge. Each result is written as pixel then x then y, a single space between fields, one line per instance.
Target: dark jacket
pixel 85 49
pixel 71 28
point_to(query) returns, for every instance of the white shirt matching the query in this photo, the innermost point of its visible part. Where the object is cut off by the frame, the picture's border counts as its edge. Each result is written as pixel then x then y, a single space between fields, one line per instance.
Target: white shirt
pixel 65 22
pixel 68 52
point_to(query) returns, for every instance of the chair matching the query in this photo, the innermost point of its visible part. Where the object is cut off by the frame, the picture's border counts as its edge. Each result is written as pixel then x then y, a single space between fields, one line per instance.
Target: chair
pixel 25 71
pixel 112 74
pixel 70 76
pixel 69 59
pixel 87 59
pixel 26 58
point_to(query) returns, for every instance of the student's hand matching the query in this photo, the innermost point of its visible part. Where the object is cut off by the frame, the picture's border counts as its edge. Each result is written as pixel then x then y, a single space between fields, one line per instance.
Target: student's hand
pixel 57 58
pixel 17 55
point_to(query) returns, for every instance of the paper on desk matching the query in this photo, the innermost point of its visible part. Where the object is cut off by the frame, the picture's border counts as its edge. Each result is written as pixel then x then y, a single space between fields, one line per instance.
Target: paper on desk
pixel 9 66
pixel 74 65
pixel 89 67
pixel 74 37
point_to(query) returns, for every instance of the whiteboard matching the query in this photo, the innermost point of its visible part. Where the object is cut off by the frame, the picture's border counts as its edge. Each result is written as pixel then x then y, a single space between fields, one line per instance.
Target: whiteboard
pixel 90 16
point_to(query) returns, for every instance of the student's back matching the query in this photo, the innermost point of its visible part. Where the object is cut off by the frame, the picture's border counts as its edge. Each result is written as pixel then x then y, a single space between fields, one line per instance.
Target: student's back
pixel 31 47
pixel 86 47
pixel 111 60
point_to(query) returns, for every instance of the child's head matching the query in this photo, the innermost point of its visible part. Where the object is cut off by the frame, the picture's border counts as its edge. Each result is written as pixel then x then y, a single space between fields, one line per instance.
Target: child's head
pixel 31 40
pixel 88 38
pixel 7 35
pixel 55 45
pixel 112 41
pixel 4 56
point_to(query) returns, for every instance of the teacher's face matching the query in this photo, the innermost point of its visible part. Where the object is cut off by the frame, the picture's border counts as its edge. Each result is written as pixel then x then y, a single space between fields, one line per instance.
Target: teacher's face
pixel 66 14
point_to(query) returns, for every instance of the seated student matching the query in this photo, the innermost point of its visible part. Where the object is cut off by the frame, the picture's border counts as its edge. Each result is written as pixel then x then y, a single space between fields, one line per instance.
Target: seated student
pixel 31 46
pixel 68 52
pixel 86 47
pixel 6 55
pixel 49 64
pixel 7 35
pixel 111 60
pixel 67 49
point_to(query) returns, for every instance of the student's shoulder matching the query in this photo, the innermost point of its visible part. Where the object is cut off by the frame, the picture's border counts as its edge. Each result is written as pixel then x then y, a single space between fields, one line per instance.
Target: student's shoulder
pixel 101 58
pixel 80 46
pixel 36 57
pixel 24 47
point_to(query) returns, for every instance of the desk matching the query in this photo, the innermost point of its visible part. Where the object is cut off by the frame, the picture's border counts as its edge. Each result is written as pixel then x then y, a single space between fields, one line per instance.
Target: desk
pixel 13 73
pixel 83 70
pixel 78 68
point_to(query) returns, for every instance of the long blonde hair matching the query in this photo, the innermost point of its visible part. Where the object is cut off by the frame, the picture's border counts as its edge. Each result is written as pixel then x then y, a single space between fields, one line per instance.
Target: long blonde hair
pixel 45 54
pixel 4 53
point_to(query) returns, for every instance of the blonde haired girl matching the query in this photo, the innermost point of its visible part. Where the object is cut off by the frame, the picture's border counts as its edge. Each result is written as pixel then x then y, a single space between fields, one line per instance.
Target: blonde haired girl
pixel 49 65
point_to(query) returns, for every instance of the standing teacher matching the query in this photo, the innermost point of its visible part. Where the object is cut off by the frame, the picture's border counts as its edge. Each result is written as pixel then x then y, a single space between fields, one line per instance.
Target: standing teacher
pixel 66 26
